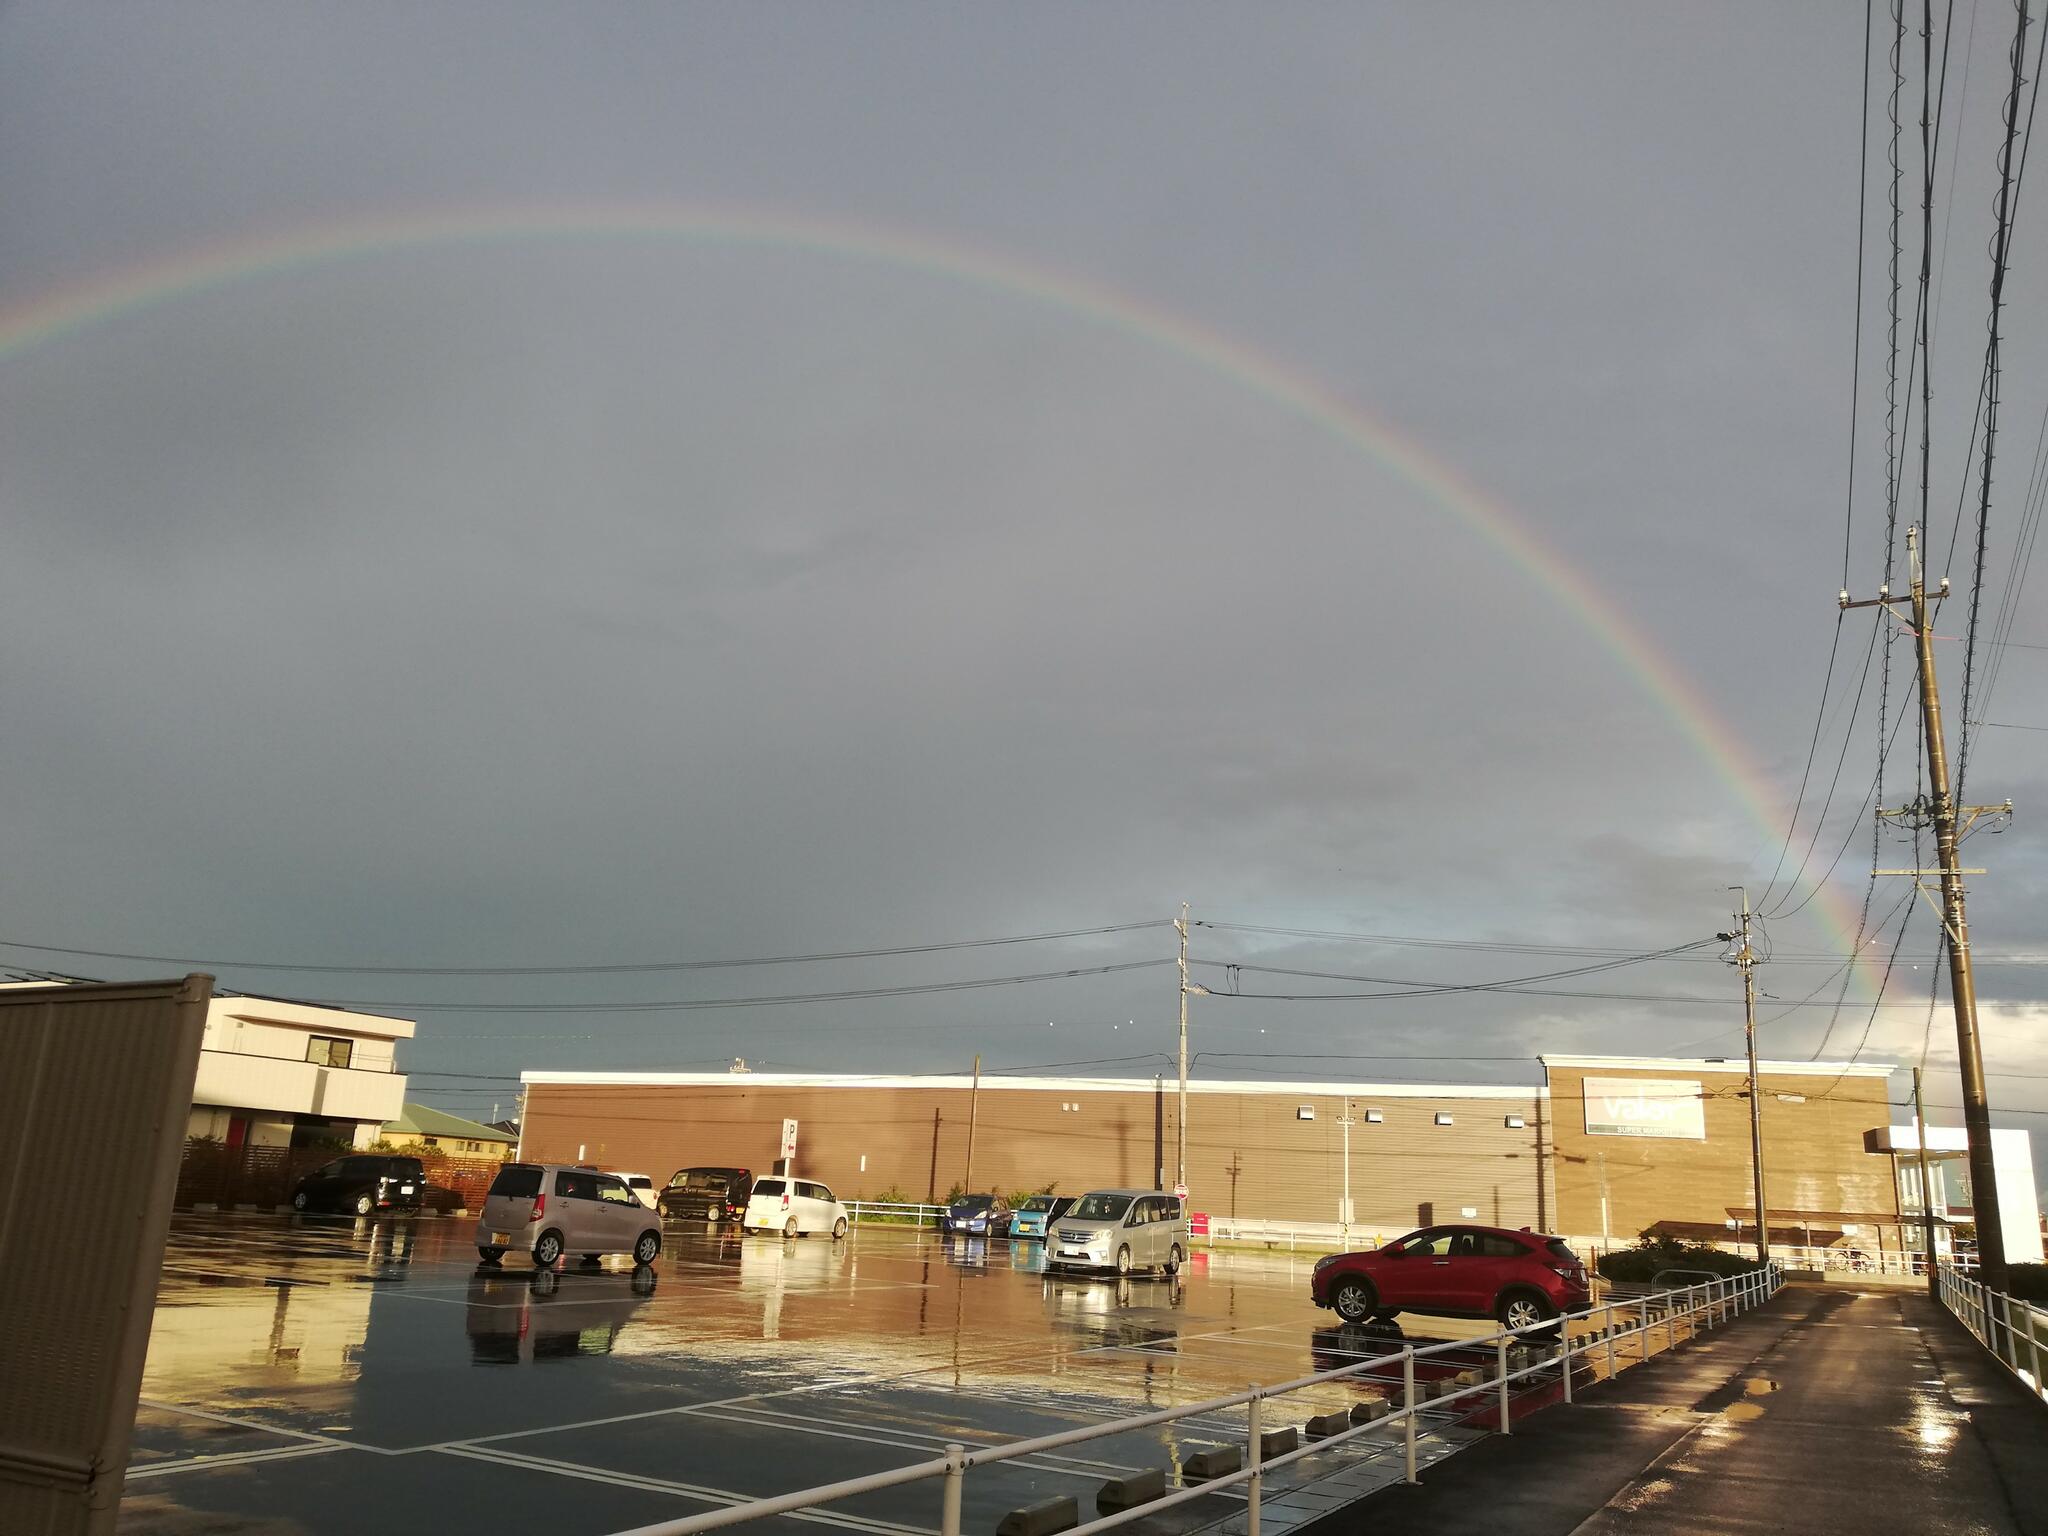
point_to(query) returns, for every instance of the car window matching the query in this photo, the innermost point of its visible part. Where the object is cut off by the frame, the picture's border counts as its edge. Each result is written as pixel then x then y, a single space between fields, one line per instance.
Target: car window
pixel 974 1202
pixel 329 1170
pixel 640 1181
pixel 519 1181
pixel 768 1187
pixel 1559 1249
pixel 1037 1203
pixel 1102 1208
pixel 701 1178
pixel 1429 1244
pixel 1493 1246
pixel 571 1185
pixel 406 1167
pixel 616 1191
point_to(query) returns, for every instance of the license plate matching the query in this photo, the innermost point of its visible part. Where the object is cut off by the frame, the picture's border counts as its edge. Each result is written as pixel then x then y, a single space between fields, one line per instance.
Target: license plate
pixel 501 1239
pixel 405 1189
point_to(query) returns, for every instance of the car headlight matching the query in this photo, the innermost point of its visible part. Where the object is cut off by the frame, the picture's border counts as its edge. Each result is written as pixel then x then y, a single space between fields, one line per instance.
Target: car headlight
pixel 1325 1262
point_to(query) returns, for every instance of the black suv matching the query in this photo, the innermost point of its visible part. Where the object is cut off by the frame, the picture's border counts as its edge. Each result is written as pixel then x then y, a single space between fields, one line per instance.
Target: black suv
pixel 362 1183
pixel 708 1194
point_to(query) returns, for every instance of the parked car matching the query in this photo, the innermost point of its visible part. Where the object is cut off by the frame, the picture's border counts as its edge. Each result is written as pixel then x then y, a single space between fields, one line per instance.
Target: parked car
pixel 707 1194
pixel 548 1210
pixel 1520 1279
pixel 362 1182
pixel 643 1189
pixel 1034 1217
pixel 793 1207
pixel 977 1215
pixel 1121 1230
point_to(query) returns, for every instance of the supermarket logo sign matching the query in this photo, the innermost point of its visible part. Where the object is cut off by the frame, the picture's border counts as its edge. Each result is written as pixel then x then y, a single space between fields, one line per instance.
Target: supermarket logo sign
pixel 1645 1106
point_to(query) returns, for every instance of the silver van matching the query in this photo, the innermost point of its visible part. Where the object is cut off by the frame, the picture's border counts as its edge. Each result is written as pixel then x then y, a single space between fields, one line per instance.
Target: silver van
pixel 1120 1230
pixel 550 1209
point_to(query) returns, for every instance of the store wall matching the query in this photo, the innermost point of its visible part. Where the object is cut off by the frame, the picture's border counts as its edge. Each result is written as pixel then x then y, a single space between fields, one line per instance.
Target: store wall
pixel 1250 1154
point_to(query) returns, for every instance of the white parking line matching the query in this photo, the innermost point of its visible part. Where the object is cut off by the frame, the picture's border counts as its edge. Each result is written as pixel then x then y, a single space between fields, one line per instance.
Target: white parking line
pixel 720 1496
pixel 233 1459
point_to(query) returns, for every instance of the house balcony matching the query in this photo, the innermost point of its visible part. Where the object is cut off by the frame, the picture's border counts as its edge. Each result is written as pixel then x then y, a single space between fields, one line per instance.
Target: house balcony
pixel 236 1081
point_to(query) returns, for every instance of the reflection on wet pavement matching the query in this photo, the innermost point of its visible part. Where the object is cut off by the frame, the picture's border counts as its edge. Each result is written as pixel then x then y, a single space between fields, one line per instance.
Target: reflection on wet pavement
pixel 305 1373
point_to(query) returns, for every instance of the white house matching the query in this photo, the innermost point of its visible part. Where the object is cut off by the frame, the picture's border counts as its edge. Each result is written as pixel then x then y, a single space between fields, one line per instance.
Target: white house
pixel 274 1073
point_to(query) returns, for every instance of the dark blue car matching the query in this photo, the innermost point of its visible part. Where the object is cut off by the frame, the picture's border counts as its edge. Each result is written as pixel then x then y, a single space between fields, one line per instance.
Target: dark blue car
pixel 978 1216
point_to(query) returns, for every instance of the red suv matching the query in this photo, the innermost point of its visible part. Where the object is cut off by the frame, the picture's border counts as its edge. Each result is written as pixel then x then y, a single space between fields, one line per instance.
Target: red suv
pixel 1521 1279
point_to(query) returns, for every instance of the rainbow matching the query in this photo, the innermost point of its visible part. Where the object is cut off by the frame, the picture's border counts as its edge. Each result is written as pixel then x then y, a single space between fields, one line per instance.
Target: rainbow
pixel 69 308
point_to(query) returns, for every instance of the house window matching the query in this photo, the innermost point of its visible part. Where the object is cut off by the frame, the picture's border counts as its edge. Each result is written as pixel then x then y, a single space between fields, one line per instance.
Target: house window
pixel 330 1051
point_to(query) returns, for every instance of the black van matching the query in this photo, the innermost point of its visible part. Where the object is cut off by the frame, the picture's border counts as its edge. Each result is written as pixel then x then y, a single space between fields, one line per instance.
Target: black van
pixel 362 1183
pixel 708 1194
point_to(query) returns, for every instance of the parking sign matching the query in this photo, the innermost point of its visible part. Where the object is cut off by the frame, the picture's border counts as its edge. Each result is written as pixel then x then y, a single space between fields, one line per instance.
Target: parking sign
pixel 788 1139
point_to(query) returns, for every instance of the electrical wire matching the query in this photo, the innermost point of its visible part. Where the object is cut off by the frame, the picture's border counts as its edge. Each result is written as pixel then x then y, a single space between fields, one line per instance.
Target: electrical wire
pixel 591 970
pixel 683 1005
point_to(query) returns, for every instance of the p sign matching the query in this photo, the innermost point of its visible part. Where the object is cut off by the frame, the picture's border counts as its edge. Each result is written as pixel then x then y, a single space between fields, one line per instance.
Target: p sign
pixel 788 1139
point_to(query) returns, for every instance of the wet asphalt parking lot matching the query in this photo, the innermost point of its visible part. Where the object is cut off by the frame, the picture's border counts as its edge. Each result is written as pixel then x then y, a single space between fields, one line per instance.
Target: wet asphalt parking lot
pixel 322 1375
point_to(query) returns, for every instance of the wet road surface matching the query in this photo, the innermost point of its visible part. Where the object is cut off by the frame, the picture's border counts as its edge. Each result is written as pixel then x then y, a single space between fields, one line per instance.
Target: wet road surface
pixel 311 1376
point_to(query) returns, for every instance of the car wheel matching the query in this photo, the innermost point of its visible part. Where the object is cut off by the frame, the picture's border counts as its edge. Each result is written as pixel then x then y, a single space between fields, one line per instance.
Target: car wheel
pixel 647 1249
pixel 839 1229
pixel 299 1201
pixel 1353 1301
pixel 364 1205
pixel 1123 1260
pixel 789 1227
pixel 1173 1259
pixel 1523 1311
pixel 547 1249
pixel 491 1256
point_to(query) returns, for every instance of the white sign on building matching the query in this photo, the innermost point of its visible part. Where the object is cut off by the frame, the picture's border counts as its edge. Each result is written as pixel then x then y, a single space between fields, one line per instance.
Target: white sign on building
pixel 1645 1106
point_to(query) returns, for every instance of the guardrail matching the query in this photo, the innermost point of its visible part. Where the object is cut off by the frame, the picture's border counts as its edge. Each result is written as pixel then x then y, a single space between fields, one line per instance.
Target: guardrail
pixel 1597 1329
pixel 895 1213
pixel 2015 1331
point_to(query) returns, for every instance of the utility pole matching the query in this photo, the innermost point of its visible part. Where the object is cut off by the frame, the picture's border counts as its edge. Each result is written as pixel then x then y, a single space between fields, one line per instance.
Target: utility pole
pixel 1345 1214
pixel 973 1113
pixel 1926 1187
pixel 1745 958
pixel 1950 821
pixel 1187 990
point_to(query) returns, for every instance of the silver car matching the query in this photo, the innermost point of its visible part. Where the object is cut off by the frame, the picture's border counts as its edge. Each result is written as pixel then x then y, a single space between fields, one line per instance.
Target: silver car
pixel 549 1209
pixel 1120 1230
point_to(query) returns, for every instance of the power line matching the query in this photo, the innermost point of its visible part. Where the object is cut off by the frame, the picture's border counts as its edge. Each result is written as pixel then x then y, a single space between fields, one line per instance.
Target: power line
pixel 589 970
pixel 681 1005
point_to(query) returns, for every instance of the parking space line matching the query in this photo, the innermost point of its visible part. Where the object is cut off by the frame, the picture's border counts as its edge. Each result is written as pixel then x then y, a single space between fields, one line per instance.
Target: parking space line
pixel 234 1459
pixel 239 1423
pixel 844 1429
pixel 704 1495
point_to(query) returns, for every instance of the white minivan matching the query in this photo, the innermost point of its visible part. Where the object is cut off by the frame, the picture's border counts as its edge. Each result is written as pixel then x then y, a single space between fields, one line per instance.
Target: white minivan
pixel 549 1210
pixel 1120 1230
pixel 793 1207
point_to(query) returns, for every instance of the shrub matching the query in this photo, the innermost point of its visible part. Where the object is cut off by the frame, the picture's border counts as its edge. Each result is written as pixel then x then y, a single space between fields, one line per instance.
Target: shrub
pixel 1642 1263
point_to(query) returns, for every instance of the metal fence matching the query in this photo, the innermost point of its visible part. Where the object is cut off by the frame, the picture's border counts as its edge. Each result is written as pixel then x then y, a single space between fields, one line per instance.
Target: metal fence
pixel 1624 1332
pixel 2014 1330
pixel 895 1213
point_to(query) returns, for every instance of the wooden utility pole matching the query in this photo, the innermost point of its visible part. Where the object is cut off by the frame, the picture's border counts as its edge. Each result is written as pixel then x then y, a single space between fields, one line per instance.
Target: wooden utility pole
pixel 1745 959
pixel 1950 821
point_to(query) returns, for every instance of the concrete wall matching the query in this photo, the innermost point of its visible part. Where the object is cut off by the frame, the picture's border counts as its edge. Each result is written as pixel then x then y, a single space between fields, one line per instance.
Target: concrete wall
pixel 1249 1153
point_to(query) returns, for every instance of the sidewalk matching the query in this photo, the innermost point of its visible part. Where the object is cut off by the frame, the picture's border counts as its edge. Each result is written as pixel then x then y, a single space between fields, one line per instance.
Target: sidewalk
pixel 1832 1412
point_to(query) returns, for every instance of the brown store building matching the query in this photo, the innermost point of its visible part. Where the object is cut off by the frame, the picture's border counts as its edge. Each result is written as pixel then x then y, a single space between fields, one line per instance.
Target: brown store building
pixel 1609 1147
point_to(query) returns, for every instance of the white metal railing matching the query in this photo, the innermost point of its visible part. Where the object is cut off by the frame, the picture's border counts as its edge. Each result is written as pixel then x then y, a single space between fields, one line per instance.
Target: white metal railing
pixel 1516 1357
pixel 895 1212
pixel 2014 1330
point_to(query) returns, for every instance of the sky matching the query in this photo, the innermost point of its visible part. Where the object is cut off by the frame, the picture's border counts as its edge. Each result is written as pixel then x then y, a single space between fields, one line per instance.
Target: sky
pixel 717 483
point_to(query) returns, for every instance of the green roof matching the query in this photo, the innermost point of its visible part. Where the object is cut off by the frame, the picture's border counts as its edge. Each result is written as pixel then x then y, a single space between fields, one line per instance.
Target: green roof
pixel 425 1120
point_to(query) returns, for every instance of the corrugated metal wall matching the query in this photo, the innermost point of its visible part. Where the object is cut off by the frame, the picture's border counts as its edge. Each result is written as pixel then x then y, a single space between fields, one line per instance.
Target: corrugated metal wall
pixel 95 1087
pixel 1248 1152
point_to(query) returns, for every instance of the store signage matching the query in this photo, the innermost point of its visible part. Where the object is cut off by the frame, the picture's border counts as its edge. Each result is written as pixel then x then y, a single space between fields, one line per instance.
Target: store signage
pixel 1645 1106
